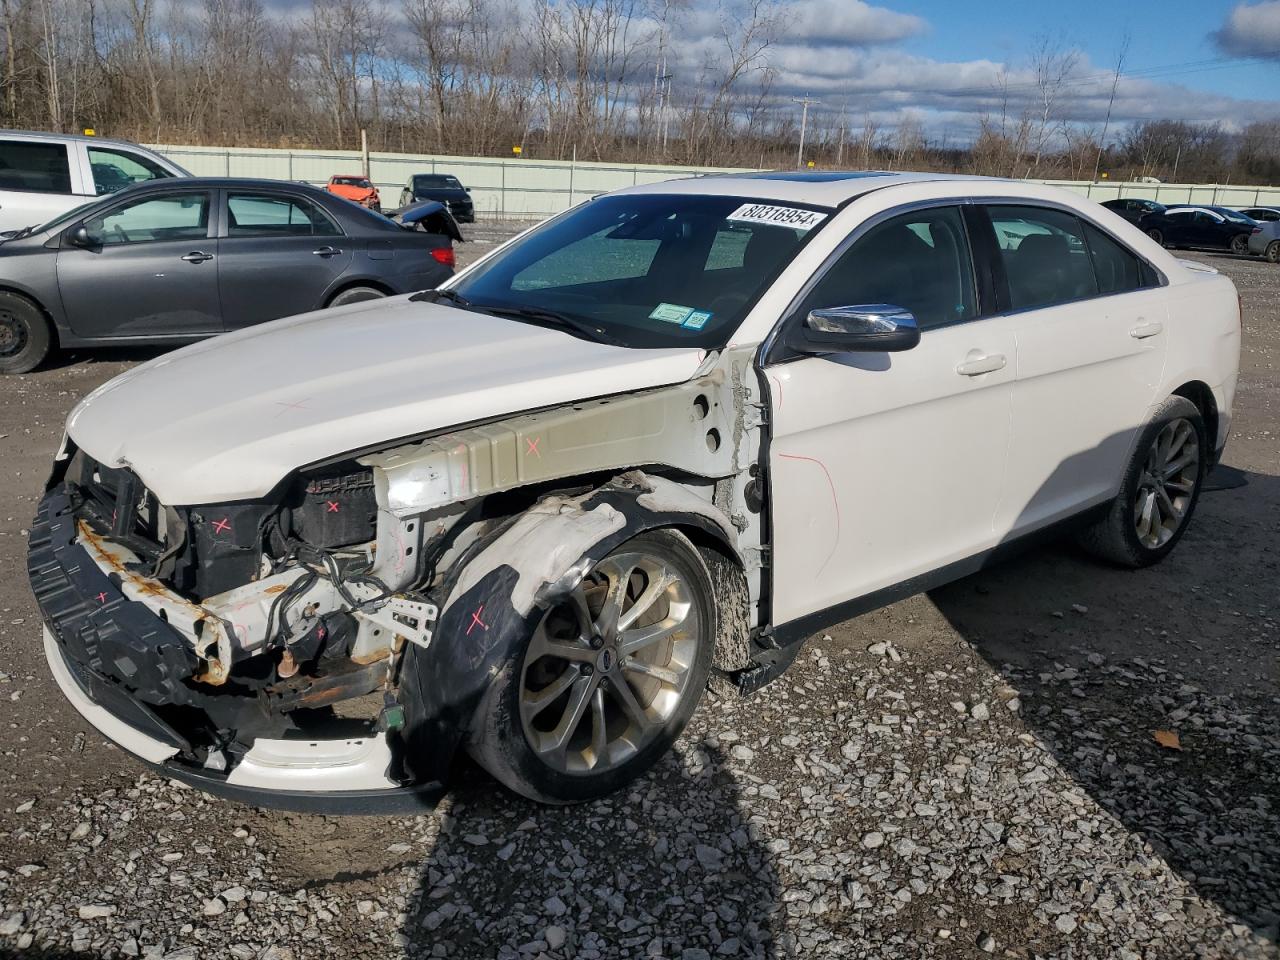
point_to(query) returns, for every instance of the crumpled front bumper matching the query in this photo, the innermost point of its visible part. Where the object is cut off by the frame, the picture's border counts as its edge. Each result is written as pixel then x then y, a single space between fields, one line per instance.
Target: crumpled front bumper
pixel 120 666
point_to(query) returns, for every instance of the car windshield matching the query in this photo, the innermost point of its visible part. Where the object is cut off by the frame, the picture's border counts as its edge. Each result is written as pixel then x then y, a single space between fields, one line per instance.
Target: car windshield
pixel 426 182
pixel 351 181
pixel 646 270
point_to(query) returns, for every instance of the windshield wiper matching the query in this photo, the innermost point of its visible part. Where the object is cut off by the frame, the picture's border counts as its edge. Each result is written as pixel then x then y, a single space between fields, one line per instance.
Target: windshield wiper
pixel 435 296
pixel 559 321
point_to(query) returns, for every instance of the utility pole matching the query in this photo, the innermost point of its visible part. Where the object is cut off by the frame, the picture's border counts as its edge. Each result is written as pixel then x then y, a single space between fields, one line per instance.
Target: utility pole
pixel 804 122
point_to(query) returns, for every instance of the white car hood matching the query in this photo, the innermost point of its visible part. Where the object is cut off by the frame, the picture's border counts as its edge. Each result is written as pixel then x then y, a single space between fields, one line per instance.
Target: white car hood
pixel 228 418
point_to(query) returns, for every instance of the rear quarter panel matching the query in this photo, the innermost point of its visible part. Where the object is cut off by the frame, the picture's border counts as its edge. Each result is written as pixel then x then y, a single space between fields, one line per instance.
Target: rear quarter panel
pixel 1204 337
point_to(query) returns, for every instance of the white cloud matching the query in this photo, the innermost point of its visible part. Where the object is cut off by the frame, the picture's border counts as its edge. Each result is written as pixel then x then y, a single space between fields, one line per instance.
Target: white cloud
pixel 1251 30
pixel 839 22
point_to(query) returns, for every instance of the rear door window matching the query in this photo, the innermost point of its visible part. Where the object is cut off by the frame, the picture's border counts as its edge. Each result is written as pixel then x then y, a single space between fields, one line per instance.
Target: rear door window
pixel 34 167
pixel 267 215
pixel 1118 270
pixel 1046 259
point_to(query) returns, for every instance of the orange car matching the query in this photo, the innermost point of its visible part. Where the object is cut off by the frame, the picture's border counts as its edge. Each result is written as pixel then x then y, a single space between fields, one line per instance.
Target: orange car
pixel 357 189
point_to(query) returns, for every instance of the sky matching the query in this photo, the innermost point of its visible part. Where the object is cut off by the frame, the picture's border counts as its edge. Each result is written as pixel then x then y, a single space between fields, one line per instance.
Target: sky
pixel 940 61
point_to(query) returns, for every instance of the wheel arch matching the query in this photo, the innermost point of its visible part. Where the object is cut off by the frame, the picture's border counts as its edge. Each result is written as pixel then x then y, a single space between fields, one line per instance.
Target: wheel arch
pixel 379 285
pixel 1200 393
pixel 496 593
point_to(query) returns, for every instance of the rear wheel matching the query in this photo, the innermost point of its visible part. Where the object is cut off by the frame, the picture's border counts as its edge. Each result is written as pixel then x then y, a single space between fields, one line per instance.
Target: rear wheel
pixel 1160 489
pixel 356 295
pixel 1240 245
pixel 1273 251
pixel 608 679
pixel 25 337
pixel 1157 235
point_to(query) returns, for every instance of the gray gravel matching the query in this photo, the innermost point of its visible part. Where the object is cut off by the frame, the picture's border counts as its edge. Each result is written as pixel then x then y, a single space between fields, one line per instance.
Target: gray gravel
pixel 968 774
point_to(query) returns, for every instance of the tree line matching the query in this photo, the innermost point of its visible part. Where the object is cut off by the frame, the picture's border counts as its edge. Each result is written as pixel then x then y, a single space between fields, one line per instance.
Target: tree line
pixel 560 78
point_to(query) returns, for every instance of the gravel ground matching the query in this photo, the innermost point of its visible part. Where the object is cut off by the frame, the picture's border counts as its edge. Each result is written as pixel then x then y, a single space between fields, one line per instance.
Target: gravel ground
pixel 963 774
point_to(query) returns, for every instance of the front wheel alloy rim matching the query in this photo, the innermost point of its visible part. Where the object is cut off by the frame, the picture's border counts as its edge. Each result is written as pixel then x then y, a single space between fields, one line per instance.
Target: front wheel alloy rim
pixel 1167 483
pixel 607 668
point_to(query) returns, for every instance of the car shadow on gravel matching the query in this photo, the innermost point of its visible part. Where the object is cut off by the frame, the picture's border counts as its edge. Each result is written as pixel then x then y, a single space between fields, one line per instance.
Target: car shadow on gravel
pixel 1100 659
pixel 670 864
pixel 667 865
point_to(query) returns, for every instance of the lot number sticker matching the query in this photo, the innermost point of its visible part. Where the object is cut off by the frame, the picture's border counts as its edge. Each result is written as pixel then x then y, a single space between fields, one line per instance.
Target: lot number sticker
pixel 792 217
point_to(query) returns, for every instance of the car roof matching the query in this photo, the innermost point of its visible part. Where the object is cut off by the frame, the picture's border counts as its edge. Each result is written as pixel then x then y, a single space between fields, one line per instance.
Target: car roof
pixel 826 188
pixel 67 138
pixel 230 183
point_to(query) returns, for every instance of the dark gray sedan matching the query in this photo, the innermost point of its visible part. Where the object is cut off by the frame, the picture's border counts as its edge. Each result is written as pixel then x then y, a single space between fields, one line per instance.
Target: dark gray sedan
pixel 176 260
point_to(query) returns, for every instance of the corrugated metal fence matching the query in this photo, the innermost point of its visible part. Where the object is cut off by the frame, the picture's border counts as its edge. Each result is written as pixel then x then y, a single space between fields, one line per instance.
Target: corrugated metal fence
pixel 519 188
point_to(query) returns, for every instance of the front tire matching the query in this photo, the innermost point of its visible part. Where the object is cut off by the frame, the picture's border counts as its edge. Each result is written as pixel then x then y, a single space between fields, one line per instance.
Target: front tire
pixel 608 679
pixel 1156 235
pixel 1159 492
pixel 356 295
pixel 25 337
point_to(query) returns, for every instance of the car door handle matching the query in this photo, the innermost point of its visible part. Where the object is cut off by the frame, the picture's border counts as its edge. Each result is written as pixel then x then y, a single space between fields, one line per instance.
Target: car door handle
pixel 197 256
pixel 977 366
pixel 326 252
pixel 1144 330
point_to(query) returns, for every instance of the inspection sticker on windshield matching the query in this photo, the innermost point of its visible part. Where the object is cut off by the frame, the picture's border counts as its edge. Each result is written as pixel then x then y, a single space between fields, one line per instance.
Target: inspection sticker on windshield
pixel 792 217
pixel 697 319
pixel 671 313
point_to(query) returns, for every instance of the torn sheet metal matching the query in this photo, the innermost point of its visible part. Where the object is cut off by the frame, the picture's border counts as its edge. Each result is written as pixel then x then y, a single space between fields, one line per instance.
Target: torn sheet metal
pixel 692 427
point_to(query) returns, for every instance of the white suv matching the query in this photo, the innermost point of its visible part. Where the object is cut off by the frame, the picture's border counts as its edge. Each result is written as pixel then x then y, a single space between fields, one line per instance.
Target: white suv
pixel 668 434
pixel 45 174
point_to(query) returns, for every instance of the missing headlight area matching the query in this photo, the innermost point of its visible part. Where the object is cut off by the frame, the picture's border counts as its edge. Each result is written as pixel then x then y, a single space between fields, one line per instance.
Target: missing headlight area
pixel 246 634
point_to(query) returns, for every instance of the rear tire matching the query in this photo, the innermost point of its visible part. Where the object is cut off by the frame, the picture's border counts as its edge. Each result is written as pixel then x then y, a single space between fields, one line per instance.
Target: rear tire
pixel 567 729
pixel 1240 245
pixel 1273 251
pixel 25 337
pixel 1156 235
pixel 1159 492
pixel 356 295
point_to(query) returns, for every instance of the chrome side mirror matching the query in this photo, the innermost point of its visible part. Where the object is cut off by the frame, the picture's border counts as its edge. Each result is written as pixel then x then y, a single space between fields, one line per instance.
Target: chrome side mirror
pixel 863 328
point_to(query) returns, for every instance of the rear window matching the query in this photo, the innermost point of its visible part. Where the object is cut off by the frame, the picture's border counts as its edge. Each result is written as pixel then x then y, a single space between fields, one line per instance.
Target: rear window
pixel 34 167
pixel 351 181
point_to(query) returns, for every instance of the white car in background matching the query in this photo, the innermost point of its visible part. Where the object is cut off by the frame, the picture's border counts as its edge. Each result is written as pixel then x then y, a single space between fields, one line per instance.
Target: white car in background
pixel 43 175
pixel 673 431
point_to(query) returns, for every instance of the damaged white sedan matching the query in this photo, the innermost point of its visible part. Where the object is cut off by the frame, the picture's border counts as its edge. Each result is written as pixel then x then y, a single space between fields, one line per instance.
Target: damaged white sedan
pixel 657 440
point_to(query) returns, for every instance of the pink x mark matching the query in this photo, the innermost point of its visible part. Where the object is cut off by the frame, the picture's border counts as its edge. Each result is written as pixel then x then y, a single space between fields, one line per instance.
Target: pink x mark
pixel 287 406
pixel 102 597
pixel 221 526
pixel 331 506
pixel 476 621
pixel 533 447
